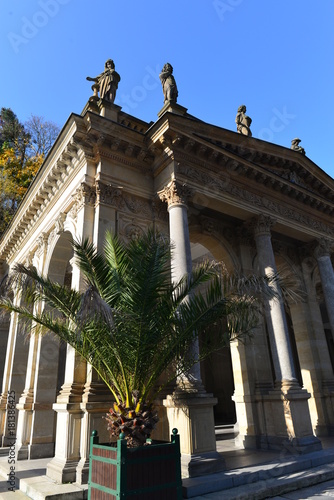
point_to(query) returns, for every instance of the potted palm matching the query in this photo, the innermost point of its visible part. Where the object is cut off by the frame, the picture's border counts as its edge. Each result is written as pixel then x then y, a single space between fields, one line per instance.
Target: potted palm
pixel 133 324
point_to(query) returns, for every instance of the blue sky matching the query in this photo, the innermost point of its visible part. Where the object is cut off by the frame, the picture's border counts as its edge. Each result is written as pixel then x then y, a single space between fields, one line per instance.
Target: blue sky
pixel 276 57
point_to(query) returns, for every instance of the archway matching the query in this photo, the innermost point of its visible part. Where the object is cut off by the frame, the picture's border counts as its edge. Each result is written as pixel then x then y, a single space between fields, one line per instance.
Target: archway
pixel 217 369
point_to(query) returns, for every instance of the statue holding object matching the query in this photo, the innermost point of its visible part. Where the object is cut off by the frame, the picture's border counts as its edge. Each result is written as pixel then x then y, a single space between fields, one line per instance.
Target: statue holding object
pixel 107 82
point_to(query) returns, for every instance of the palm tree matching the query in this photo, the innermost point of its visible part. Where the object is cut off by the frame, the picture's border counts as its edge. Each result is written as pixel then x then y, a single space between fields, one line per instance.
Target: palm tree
pixel 133 324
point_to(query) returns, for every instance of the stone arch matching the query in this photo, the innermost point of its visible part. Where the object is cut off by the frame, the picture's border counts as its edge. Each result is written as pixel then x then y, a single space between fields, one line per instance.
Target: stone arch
pixel 59 269
pixel 217 370
pixel 217 245
pixel 46 368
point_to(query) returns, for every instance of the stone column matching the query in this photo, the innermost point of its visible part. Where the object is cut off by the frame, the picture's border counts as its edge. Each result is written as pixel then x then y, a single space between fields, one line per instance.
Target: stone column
pixel 63 467
pixel 323 256
pixel 190 409
pixel 35 426
pixel 276 320
pixel 288 419
pixel 14 376
pixel 251 365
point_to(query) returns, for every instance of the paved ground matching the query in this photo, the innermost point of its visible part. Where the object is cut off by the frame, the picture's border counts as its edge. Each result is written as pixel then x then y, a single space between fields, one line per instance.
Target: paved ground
pixel 322 490
pixel 32 477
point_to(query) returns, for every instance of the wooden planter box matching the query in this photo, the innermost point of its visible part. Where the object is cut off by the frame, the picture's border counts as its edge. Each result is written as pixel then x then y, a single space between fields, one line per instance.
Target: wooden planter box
pixel 144 473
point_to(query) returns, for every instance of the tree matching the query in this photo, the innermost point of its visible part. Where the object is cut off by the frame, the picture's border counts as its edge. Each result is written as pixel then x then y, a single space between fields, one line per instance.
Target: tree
pixel 133 324
pixel 42 133
pixel 15 177
pixel 22 151
pixel 13 133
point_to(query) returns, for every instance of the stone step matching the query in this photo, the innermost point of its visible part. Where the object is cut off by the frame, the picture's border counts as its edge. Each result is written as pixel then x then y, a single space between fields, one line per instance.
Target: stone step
pixel 31 482
pixel 263 481
pixel 42 488
pixel 225 432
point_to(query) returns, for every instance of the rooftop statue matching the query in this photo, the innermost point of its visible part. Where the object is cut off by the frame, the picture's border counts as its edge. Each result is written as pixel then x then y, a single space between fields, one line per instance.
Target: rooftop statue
pixel 168 83
pixel 243 121
pixel 295 146
pixel 107 82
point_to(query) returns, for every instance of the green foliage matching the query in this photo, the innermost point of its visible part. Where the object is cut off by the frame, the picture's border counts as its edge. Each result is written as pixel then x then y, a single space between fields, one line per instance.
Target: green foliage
pixel 22 151
pixel 133 324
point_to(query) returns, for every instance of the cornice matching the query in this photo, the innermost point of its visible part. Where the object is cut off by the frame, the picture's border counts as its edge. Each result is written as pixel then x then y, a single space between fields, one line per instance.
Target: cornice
pixel 222 186
pixel 272 166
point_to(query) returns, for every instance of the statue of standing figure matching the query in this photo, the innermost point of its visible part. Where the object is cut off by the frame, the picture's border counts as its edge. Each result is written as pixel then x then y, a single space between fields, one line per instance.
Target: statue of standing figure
pixel 243 121
pixel 168 83
pixel 295 146
pixel 107 82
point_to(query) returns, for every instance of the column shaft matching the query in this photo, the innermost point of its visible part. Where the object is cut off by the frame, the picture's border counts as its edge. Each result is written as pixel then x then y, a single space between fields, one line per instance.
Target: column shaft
pixel 276 319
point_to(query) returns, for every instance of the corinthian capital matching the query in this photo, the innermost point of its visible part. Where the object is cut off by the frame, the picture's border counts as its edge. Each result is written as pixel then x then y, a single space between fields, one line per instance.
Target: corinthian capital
pixel 323 248
pixel 261 225
pixel 175 193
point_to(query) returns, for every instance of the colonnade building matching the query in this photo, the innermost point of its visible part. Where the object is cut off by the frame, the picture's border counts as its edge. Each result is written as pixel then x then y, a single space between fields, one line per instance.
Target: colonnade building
pixel 221 195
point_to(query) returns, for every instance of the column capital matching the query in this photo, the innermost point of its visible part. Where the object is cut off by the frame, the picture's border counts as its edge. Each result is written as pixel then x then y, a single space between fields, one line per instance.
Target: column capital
pixel 261 224
pixel 322 248
pixel 175 193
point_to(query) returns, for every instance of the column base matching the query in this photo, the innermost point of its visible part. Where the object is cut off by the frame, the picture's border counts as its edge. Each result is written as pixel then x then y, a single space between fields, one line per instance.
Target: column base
pixel 192 415
pixel 287 420
pixel 62 471
pixel 82 472
pixel 202 464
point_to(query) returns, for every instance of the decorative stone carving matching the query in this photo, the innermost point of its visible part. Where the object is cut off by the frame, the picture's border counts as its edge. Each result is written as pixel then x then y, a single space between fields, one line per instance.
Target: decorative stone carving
pixel 59 225
pixel 133 231
pixel 243 121
pixel 323 248
pixel 28 262
pixel 42 244
pixel 168 83
pixel 261 224
pixel 295 146
pixel 175 193
pixel 224 183
pixel 109 195
pixel 107 82
pixel 138 206
pixel 85 195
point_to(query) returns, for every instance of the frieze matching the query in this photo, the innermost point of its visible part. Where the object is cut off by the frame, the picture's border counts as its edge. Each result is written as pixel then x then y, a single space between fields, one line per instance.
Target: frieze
pixel 127 161
pixel 214 184
pixel 137 205
pixel 115 197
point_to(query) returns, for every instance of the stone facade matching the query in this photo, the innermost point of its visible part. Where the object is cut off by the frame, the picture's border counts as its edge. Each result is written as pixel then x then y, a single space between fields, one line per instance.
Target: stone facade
pixel 256 206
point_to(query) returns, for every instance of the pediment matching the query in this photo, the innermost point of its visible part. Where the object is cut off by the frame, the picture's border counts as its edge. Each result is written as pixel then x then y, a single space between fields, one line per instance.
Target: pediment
pixel 257 162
